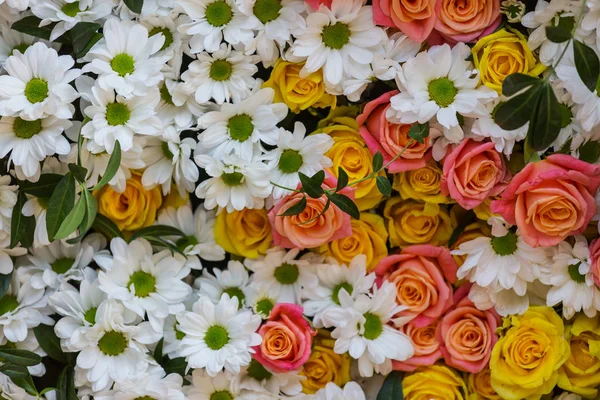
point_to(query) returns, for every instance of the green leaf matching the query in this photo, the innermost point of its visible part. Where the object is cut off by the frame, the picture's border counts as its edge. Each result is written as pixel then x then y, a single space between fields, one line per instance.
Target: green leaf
pixel 517 111
pixel 159 242
pixel 546 124
pixel 78 171
pixel 384 186
pixel 134 5
pixel 557 34
pixel 156 231
pixel 60 204
pixel 529 155
pixel 30 26
pixel 20 357
pixel 66 385
pixel 43 187
pixel 50 343
pixel 342 181
pixel 14 371
pixel 27 384
pixel 112 167
pixel 176 365
pixel 72 220
pixel 392 387
pixel 419 132
pixel 106 227
pixel 345 204
pixel 295 209
pixel 311 185
pixel 91 210
pixel 589 151
pixel 21 227
pixel 158 350
pixel 587 64
pixel 5 280
pixel 377 161
pixel 83 36
pixel 514 83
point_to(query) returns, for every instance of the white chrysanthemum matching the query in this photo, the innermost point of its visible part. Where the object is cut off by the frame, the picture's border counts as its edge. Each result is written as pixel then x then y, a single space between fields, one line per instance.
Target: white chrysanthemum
pixel 149 385
pixel 257 378
pixel 124 59
pixel 340 40
pixel 37 84
pixel 240 128
pixel 365 333
pixel 59 262
pixel 67 14
pixel 323 302
pixel 114 349
pixel 504 141
pixel 213 20
pixel 20 5
pixel 296 152
pixel 12 40
pixel 571 279
pixel 282 275
pixel 198 226
pixel 443 137
pixel 37 208
pixel 147 284
pixel 8 199
pixel 167 25
pixel 218 335
pixel 590 23
pixel 209 387
pixel 235 184
pixel 261 300
pixel 234 281
pixel 351 391
pixel 439 83
pixel 223 75
pixel 177 105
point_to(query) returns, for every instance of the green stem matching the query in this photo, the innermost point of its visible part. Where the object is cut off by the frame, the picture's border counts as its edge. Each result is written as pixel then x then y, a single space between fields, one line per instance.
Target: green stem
pixel 286 188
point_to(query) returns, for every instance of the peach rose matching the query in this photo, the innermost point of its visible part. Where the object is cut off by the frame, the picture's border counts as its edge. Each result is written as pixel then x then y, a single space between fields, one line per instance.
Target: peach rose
pixel 466 21
pixel 415 18
pixel 286 339
pixel 427 347
pixel 595 256
pixel 423 275
pixel 389 139
pixel 296 232
pixel 473 171
pixel 550 199
pixel 466 334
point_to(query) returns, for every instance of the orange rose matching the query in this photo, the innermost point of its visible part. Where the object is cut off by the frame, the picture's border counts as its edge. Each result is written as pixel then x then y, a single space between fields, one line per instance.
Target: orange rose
pixel 427 347
pixel 467 21
pixel 416 18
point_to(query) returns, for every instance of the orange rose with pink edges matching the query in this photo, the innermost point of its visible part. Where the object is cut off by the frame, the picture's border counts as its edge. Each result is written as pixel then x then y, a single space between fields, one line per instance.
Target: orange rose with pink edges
pixel 286 339
pixel 595 257
pixel 466 21
pixel 416 18
pixel 426 345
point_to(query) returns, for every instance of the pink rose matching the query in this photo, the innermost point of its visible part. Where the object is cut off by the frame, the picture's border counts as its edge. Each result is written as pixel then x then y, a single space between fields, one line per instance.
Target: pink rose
pixel 466 334
pixel 550 199
pixel 415 18
pixel 426 345
pixel 296 232
pixel 595 256
pixel 473 171
pixel 389 139
pixel 466 21
pixel 287 339
pixel 423 275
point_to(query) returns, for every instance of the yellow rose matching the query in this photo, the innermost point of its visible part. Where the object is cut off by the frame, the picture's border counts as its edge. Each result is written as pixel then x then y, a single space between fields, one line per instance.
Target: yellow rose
pixel 503 53
pixel 434 382
pixel 526 359
pixel 480 386
pixel 411 222
pixel 369 237
pixel 245 233
pixel 133 209
pixel 325 365
pixel 296 92
pixel 421 184
pixel 581 373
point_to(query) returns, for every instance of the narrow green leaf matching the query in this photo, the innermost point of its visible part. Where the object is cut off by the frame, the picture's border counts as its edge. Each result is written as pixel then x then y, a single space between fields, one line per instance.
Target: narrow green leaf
pixel 113 166
pixel 91 210
pixel 27 384
pixel 546 124
pixel 106 227
pixel 419 132
pixel 20 357
pixel 514 83
pixel 159 242
pixel 158 350
pixel 345 204
pixel 5 280
pixel 134 5
pixel 49 342
pixel 557 34
pixel 82 34
pixel 21 227
pixel 72 220
pixel 156 231
pixel 392 387
pixel 517 111
pixel 311 185
pixel 175 365
pixel 377 161
pixel 587 64
pixel 295 209
pixel 60 204
pixel 43 187
pixel 30 26
pixel 78 171
pixel 14 371
pixel 342 179
pixel 384 186
pixel 529 155
pixel 66 385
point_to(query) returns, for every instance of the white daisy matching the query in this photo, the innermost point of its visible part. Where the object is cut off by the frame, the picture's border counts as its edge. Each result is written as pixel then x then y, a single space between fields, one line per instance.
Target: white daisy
pixel 36 207
pixel 261 300
pixel 590 23
pixel 234 281
pixel 37 84
pixel 223 75
pixel 443 137
pixel 167 25
pixel 235 184
pixel 7 254
pixel 147 284
pixel 255 377
pixel 12 40
pixel 177 105
pixel 439 82
pixel 340 40
pixel 283 275
pixel 209 387
pixel 8 199
pixel 366 334
pixel 213 20
pixel 218 335
pixel 154 384
pixel 504 140
pixel 20 5
pixel 240 128
pixel 124 59
pixel 351 391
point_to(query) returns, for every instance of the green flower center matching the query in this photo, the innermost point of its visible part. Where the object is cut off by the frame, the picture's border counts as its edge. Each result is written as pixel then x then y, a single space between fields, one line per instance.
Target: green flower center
pixel 90 315
pixel 165 95
pixel 71 9
pixel 117 114
pixel 143 282
pixel 267 10
pixel 219 13
pixel 237 293
pixel 336 291
pixel 373 326
pixel 589 152
pixel 442 91
pixel 505 245
pixel 565 115
pixel 112 343
pixel 62 265
pixel 166 33
pixel 144 398
pixel 26 129
pixel 220 70
pixel 287 274
pixel 165 149
pixel 8 303
pixel 232 178
pixel 264 307
pixel 240 127
pixel 186 241
pixel 123 64
pixel 257 371
pixel 336 36
pixel 20 47
pixel 178 334
pixel 216 337
pixel 221 395
pixel 36 90
pixel 290 161
pixel 574 273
